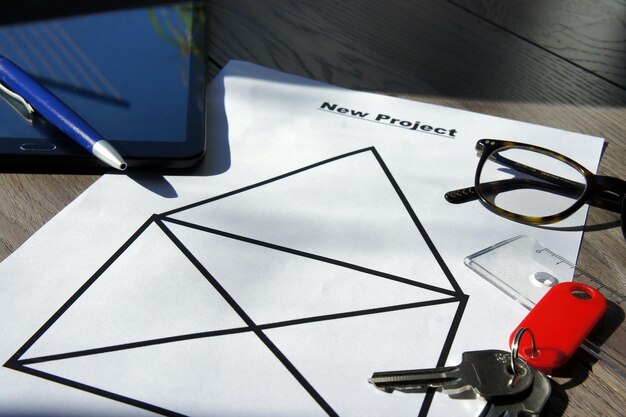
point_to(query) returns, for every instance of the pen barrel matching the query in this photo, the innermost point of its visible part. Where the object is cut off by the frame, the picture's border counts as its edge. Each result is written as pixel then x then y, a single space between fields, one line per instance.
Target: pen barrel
pixel 47 104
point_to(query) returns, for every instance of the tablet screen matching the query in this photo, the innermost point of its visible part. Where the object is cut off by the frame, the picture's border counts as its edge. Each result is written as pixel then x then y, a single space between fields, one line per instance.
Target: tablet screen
pixel 134 75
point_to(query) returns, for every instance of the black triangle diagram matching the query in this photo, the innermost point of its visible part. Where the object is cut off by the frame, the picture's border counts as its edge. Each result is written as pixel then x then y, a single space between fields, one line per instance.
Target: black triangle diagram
pixel 288 280
pixel 348 209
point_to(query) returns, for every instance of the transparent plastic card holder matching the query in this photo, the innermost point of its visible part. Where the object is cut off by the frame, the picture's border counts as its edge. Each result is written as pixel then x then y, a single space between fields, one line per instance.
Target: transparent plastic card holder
pixel 525 270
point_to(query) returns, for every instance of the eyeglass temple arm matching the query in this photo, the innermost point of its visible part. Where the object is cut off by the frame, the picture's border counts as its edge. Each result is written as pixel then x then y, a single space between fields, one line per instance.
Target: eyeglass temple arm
pixel 537 173
pixel 466 194
pixel 493 188
pixel 606 198
pixel 607 193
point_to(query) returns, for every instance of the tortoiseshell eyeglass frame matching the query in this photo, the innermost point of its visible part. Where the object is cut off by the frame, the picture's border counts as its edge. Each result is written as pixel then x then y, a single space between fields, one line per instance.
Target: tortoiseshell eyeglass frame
pixel 600 191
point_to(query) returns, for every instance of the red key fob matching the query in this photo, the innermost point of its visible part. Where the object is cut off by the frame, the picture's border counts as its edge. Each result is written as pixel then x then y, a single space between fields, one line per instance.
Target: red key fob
pixel 559 323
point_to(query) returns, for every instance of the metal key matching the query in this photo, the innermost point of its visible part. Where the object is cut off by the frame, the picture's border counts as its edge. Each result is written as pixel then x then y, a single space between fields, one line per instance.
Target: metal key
pixel 487 372
pixel 530 406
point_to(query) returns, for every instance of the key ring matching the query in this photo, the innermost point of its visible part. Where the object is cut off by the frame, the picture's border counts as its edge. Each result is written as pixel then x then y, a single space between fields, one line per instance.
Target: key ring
pixel 515 345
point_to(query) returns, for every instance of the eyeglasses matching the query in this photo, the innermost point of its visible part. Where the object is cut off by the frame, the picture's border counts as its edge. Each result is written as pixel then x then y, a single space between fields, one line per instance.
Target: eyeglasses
pixel 536 186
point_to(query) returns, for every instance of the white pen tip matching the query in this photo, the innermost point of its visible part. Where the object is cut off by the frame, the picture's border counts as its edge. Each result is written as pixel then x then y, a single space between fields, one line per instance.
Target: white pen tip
pixel 105 152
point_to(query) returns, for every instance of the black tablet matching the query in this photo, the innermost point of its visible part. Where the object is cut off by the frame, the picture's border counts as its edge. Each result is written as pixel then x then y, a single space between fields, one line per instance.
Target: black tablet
pixel 135 75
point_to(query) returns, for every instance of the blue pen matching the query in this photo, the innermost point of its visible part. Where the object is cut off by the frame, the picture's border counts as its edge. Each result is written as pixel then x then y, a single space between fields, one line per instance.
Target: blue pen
pixel 57 113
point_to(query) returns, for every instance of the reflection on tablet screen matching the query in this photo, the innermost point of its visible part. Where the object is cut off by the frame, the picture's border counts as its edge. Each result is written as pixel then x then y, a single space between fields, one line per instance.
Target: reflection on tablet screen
pixel 132 74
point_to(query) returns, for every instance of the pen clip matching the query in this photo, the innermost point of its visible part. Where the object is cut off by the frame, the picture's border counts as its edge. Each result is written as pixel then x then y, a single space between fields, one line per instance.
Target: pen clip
pixel 13 98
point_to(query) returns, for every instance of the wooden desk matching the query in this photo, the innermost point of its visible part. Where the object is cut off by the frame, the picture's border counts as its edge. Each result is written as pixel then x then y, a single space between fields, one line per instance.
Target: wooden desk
pixel 495 60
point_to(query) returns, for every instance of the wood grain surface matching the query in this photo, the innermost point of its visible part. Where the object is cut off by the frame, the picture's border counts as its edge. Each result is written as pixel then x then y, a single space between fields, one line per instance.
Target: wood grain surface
pixel 488 57
pixel 587 33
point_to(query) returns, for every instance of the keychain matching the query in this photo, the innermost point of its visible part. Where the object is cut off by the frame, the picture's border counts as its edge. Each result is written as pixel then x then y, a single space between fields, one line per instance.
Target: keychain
pixel 558 324
pixel 514 383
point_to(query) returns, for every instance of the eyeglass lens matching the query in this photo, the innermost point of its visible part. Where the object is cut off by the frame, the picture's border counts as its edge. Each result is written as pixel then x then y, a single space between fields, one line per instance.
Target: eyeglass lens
pixel 530 183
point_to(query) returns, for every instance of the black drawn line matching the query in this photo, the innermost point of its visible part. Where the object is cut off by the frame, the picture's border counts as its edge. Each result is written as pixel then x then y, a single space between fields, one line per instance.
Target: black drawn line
pixel 80 291
pixel 235 330
pixel 356 313
pixel 18 364
pixel 456 322
pixel 418 224
pixel 445 351
pixel 311 256
pixel 248 320
pixel 132 345
pixel 97 391
pixel 265 182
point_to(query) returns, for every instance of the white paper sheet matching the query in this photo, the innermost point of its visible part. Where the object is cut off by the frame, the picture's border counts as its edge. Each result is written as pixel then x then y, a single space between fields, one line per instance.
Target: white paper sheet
pixel 314 248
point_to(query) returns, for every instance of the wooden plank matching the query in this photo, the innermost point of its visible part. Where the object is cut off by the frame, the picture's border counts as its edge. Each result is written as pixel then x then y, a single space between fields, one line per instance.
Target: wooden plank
pixel 589 33
pixel 28 201
pixel 433 53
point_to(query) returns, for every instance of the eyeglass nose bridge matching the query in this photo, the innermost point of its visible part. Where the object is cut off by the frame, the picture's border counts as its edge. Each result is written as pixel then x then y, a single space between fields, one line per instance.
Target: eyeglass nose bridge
pixel 482 145
pixel 488 146
pixel 480 148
